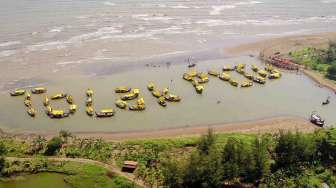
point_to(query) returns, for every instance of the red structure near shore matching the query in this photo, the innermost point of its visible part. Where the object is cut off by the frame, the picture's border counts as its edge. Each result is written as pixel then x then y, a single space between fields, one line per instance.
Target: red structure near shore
pixel 281 62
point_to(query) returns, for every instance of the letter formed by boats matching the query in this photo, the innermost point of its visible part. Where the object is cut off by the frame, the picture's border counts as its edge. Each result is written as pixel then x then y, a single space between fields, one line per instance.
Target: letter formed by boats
pixel 130 98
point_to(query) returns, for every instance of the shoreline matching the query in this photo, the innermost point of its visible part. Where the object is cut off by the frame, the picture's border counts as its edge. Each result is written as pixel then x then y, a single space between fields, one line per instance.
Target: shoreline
pixel 261 126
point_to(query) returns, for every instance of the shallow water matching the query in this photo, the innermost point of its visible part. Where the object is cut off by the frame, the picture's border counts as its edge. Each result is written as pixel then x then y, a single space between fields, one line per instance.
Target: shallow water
pixel 41 180
pixel 292 95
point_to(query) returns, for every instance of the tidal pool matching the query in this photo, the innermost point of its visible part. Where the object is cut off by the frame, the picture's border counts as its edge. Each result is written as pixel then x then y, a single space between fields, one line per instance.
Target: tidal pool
pixel 41 180
pixel 292 95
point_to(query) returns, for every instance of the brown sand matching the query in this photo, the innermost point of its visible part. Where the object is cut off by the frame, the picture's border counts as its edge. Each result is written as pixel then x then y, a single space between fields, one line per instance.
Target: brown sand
pixel 284 44
pixel 271 125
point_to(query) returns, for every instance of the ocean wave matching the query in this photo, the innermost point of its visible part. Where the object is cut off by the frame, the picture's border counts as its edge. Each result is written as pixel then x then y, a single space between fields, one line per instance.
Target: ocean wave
pixel 56 29
pixel 70 62
pixel 267 22
pixel 9 43
pixel 301 31
pixel 44 46
pixel 328 1
pixel 7 53
pixel 179 6
pixel 94 35
pixel 217 9
pixel 109 3
pixel 154 17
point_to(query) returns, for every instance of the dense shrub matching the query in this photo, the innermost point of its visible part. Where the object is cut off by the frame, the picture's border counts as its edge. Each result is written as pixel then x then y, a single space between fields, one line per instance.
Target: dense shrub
pixel 53 146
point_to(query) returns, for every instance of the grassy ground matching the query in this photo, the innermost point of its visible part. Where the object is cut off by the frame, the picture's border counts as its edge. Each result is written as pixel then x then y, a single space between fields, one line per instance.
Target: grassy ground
pixel 78 175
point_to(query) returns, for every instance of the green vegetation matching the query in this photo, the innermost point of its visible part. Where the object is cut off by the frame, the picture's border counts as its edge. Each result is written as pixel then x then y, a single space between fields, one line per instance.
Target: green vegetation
pixel 215 160
pixel 322 60
pixel 78 175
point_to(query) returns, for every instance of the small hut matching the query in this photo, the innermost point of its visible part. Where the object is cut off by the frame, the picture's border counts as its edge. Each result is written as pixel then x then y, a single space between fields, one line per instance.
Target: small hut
pixel 129 166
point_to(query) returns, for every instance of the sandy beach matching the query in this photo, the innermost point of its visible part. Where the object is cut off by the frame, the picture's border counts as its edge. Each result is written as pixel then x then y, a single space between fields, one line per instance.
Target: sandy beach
pixel 271 125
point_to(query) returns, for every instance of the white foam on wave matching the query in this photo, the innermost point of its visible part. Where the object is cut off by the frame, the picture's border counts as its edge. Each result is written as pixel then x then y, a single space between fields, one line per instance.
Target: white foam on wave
pixel 44 46
pixel 108 3
pixel 217 9
pixel 162 5
pixel 70 62
pixel 301 31
pixel 266 22
pixel 7 53
pixel 56 30
pixel 94 35
pixel 328 1
pixel 154 17
pixel 9 43
pixel 179 6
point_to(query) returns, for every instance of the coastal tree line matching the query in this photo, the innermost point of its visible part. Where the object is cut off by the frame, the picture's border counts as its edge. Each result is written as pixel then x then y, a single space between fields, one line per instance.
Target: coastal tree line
pixel 288 160
pixel 322 60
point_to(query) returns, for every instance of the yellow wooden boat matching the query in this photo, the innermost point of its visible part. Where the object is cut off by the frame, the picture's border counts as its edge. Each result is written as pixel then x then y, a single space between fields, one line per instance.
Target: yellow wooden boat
pixel 224 76
pixel 240 71
pixel 46 101
pixel 202 75
pixel 259 80
pixel 49 110
pixel 274 76
pixel 247 84
pixel 195 82
pixel 137 107
pixel 58 96
pixel 129 96
pixel 203 80
pixel 192 73
pixel 151 86
pixel 28 96
pixel 73 108
pixel 262 73
pixel 58 114
pixel 89 92
pixel 255 68
pixel 156 93
pixel 199 89
pixel 269 68
pixel 172 98
pixel 165 91
pixel 28 102
pixel 31 111
pixel 89 101
pixel 240 66
pixel 136 91
pixel 228 68
pixel 187 77
pixel 213 73
pixel 122 89
pixel 89 110
pixel 39 90
pixel 121 104
pixel 162 101
pixel 248 76
pixel 105 113
pixel 18 92
pixel 69 99
pixel 233 82
pixel 141 101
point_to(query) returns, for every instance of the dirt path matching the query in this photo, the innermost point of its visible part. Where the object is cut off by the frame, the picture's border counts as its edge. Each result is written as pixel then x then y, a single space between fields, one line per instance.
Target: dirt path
pixel 108 167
